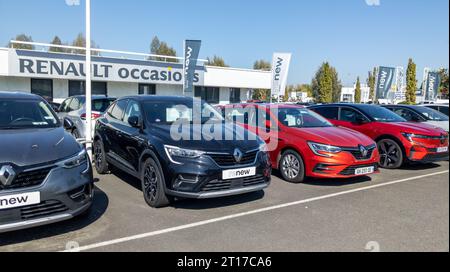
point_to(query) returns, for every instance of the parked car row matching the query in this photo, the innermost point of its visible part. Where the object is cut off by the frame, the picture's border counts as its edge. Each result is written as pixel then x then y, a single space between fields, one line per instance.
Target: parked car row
pixel 46 175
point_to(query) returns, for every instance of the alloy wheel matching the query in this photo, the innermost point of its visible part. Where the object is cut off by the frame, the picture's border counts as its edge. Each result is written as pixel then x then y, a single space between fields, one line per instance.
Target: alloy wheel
pixel 151 182
pixel 390 154
pixel 290 166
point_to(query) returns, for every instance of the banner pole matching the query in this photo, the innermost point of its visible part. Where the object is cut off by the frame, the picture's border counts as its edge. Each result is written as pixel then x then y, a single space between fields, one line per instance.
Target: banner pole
pixel 88 132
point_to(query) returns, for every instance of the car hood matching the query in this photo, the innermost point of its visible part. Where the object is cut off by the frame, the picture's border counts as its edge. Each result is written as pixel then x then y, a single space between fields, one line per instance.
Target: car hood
pixel 240 140
pixel 417 128
pixel 336 136
pixel 36 146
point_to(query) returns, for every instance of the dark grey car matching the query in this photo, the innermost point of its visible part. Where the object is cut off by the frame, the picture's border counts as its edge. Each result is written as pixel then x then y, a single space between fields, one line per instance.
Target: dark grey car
pixel 45 175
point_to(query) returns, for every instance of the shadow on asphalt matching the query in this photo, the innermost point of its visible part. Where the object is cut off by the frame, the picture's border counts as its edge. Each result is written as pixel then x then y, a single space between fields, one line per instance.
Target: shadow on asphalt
pixel 194 204
pixel 419 166
pixel 328 182
pixel 98 208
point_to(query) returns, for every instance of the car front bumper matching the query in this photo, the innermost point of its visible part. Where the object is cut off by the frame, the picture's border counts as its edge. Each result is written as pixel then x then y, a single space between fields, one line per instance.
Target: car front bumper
pixel 203 178
pixel 64 194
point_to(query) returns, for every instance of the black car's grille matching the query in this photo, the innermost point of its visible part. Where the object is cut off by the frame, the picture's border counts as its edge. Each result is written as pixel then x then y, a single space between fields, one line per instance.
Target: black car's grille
pixel 221 185
pixel 28 179
pixel 229 160
pixel 436 157
pixel 43 209
pixel 356 152
pixel 350 171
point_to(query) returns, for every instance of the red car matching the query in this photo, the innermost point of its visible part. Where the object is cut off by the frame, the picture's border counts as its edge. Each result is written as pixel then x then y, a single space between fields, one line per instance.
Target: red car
pixel 398 141
pixel 304 144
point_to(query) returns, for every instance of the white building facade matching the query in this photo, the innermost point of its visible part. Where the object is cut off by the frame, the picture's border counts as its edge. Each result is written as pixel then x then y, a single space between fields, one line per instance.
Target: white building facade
pixel 348 94
pixel 57 76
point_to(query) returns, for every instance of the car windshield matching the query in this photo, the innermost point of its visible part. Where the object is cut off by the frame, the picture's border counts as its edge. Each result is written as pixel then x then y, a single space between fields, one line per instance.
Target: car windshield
pixel 25 114
pixel 301 118
pixel 99 105
pixel 431 115
pixel 381 114
pixel 168 112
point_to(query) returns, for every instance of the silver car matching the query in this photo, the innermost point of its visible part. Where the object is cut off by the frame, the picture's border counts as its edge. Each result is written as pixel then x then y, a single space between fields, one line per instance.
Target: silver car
pixel 72 113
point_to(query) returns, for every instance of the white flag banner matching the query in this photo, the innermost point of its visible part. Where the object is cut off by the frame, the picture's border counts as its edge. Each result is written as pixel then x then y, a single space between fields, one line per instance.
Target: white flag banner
pixel 280 71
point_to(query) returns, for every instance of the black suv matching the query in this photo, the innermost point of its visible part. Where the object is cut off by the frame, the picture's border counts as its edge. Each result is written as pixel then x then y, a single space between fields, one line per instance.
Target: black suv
pixel 141 136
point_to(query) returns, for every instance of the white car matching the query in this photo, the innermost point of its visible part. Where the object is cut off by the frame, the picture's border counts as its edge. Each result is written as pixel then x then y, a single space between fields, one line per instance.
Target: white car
pixel 439 107
pixel 421 114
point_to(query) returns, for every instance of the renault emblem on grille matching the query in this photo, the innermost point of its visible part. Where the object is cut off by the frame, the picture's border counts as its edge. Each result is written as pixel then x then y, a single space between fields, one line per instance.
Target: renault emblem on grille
pixel 238 155
pixel 364 151
pixel 7 175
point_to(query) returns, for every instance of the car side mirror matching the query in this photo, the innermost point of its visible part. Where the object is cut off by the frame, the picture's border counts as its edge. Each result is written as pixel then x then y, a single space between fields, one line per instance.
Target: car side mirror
pixel 135 122
pixel 67 123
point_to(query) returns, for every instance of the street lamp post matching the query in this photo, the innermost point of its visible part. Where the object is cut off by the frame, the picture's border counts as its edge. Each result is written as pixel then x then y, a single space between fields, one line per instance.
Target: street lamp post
pixel 88 132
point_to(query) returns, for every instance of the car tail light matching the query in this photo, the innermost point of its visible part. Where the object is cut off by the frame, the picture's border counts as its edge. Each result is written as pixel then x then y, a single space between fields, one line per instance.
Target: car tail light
pixel 94 116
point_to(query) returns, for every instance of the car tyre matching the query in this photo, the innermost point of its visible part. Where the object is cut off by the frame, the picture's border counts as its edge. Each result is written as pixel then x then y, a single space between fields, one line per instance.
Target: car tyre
pixel 152 180
pixel 292 167
pixel 391 154
pixel 101 165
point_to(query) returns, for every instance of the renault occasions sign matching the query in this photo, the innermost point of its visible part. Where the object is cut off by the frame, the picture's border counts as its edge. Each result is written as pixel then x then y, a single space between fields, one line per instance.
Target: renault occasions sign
pixel 61 66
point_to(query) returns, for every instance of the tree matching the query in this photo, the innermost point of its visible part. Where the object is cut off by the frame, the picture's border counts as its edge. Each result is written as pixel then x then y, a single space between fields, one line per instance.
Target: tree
pixel 326 86
pixel 443 88
pixel 262 94
pixel 22 38
pixel 57 41
pixel 262 65
pixel 158 47
pixel 411 83
pixel 371 83
pixel 80 41
pixel 217 61
pixel 358 91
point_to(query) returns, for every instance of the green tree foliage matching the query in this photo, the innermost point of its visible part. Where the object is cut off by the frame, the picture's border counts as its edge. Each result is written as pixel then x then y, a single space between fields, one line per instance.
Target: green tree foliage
pixel 80 41
pixel 57 41
pixel 443 89
pixel 371 83
pixel 158 47
pixel 217 61
pixel 262 65
pixel 22 38
pixel 411 83
pixel 358 91
pixel 326 86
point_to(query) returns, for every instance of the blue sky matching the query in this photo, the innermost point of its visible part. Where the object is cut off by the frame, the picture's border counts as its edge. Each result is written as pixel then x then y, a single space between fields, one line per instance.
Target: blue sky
pixel 350 34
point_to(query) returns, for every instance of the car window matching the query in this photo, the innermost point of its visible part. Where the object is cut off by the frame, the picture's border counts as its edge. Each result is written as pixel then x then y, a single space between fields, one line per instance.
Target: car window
pixel 351 115
pixel 74 105
pixel 119 109
pixel 64 105
pixel 331 113
pixel 101 105
pixel 301 118
pixel 25 114
pixel 408 114
pixel 444 110
pixel 133 109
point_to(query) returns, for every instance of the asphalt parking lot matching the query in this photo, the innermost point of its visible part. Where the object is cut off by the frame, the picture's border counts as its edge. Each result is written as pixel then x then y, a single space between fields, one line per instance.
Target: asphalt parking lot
pixel 397 210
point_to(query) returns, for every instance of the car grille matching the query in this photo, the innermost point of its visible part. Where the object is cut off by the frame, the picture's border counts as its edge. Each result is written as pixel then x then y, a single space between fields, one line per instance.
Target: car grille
pixel 43 209
pixel 28 179
pixel 358 154
pixel 221 185
pixel 229 160
pixel 350 171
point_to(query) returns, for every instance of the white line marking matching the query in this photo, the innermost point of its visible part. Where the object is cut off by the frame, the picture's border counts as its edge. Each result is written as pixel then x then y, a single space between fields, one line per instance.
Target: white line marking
pixel 233 216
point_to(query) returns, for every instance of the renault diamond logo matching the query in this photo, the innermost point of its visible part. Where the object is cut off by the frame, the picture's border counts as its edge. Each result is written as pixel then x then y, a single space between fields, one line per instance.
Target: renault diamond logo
pixel 364 151
pixel 7 175
pixel 238 155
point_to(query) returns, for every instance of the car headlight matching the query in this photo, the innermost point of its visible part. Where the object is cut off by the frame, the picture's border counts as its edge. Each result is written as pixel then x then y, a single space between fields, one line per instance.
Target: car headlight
pixel 324 150
pixel 174 152
pixel 75 161
pixel 410 136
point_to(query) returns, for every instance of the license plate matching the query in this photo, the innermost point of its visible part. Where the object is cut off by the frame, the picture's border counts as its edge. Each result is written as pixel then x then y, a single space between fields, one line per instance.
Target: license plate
pixel 442 149
pixel 19 200
pixel 239 173
pixel 365 170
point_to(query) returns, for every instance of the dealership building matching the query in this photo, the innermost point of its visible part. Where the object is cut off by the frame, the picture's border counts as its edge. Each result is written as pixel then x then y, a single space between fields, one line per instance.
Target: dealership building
pixel 57 76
